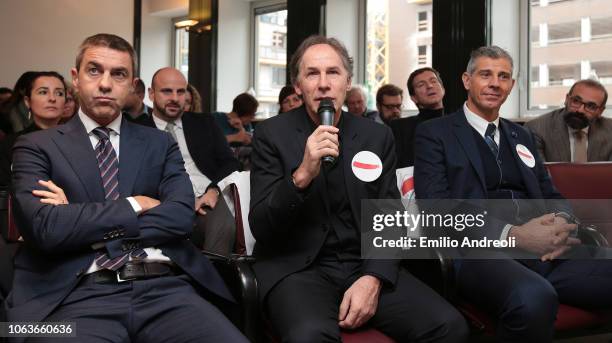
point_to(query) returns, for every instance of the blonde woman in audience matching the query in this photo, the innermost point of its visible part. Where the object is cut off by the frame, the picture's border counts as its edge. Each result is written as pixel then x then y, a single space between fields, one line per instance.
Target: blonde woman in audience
pixel 71 106
pixel 193 100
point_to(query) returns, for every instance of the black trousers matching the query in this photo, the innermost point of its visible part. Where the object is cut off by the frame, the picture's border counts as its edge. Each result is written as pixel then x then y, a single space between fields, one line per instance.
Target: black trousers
pixel 165 309
pixel 304 307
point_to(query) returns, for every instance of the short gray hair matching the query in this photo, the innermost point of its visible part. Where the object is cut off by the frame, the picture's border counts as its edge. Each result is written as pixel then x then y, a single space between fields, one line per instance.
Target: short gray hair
pixel 359 89
pixel 493 52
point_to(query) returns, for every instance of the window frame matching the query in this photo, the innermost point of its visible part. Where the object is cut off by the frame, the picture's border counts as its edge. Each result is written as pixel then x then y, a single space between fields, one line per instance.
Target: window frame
pixel 174 42
pixel 258 8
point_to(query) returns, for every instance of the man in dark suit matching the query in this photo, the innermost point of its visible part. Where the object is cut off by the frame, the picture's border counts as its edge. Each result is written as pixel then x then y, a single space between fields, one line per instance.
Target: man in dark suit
pixel 474 154
pixel 305 216
pixel 208 158
pixel 135 109
pixel 105 208
pixel 577 132
pixel 427 92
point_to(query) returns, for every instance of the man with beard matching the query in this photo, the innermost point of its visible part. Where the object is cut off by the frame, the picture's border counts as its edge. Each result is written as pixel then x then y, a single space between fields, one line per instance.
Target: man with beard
pixel 577 132
pixel 208 158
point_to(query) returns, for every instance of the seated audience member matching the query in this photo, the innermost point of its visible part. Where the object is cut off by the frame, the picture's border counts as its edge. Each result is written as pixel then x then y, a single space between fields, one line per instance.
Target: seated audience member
pixel 357 103
pixel 16 110
pixel 389 102
pixel 427 92
pixel 45 96
pixel 135 108
pixel 71 107
pixel 193 100
pixel 577 132
pixel 236 125
pixel 208 158
pixel 475 154
pixel 5 96
pixel 105 208
pixel 288 100
pixel 305 217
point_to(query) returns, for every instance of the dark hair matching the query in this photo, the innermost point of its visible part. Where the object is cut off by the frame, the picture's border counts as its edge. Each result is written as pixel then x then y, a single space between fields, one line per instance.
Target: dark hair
pixel 284 93
pixel 244 105
pixel 39 74
pixel 593 84
pixel 140 86
pixel 106 40
pixel 296 59
pixel 389 90
pixel 5 90
pixel 416 73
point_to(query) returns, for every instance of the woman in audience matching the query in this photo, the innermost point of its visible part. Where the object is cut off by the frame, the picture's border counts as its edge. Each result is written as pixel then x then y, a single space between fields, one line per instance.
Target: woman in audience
pixel 288 99
pixel 193 100
pixel 16 111
pixel 71 106
pixel 45 96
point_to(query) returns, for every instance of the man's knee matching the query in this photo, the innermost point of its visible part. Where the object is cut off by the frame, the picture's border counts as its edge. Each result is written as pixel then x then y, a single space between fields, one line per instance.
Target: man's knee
pixel 532 305
pixel 447 326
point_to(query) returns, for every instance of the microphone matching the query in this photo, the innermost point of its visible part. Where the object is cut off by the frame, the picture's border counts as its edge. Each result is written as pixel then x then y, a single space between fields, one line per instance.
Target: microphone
pixel 326 112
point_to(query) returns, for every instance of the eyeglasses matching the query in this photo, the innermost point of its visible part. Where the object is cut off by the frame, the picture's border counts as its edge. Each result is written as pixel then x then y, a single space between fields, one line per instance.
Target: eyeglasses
pixel 576 101
pixel 392 106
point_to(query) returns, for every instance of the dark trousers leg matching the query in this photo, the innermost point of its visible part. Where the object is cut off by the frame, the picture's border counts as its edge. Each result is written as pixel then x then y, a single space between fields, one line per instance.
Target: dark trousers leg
pixel 583 283
pixel 216 231
pixel 170 310
pixel 303 307
pixel 524 302
pixel 413 312
pixel 166 309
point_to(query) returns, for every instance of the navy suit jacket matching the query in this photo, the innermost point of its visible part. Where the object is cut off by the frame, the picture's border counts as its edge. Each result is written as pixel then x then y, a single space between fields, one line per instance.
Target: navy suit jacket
pixel 288 224
pixel 448 164
pixel 206 144
pixel 58 240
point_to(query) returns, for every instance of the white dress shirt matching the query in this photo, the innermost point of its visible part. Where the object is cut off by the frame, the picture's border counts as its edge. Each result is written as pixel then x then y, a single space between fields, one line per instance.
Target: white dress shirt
pixel 153 254
pixel 199 181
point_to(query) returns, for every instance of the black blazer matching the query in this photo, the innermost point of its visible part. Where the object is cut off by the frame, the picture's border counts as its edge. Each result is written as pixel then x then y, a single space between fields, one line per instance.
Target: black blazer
pixel 206 144
pixel 287 223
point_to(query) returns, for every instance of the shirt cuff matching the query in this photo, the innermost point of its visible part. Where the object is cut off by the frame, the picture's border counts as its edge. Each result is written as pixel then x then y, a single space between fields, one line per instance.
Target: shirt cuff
pixel 135 205
pixel 505 232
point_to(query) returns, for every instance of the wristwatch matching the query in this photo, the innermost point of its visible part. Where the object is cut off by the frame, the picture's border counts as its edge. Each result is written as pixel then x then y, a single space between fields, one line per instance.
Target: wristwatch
pixel 568 217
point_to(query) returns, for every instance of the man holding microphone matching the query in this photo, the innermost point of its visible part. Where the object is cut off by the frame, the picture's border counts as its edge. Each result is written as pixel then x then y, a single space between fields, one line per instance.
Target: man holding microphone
pixel 305 216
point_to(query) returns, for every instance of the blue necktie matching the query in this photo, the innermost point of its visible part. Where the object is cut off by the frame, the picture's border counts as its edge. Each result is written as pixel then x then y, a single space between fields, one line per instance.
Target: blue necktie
pixel 109 170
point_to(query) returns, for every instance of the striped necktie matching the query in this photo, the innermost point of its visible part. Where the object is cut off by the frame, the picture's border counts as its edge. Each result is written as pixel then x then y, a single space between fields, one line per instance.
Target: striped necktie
pixel 109 170
pixel 490 139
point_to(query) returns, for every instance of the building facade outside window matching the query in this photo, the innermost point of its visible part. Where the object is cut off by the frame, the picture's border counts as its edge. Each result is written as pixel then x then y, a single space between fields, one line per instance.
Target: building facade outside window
pixel 569 40
pixel 398 38
pixel 270 56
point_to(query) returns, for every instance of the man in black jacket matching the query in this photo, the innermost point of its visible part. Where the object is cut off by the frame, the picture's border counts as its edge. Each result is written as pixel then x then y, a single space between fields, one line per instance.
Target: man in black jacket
pixel 207 157
pixel 426 91
pixel 305 216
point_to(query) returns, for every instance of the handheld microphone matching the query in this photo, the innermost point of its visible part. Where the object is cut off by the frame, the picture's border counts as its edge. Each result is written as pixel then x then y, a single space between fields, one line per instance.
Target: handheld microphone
pixel 326 112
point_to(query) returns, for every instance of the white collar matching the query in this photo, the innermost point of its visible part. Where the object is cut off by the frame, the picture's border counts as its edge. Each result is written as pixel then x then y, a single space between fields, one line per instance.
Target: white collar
pixel 161 124
pixel 91 124
pixel 477 122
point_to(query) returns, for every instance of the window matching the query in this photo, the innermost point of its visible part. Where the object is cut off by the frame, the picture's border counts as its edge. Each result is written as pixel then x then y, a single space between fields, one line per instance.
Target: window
pixel 423 24
pixel 394 45
pixel 422 58
pixel 567 41
pixel 181 49
pixel 270 60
